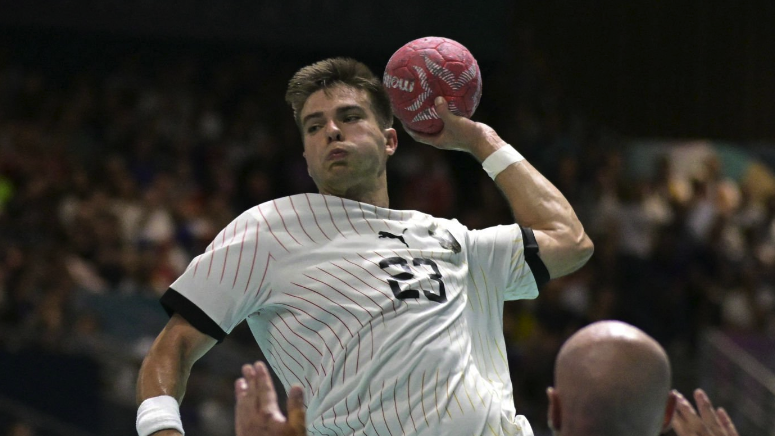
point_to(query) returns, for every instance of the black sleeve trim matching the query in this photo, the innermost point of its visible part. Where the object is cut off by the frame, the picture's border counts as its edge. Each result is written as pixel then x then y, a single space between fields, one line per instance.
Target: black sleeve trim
pixel 540 273
pixel 174 302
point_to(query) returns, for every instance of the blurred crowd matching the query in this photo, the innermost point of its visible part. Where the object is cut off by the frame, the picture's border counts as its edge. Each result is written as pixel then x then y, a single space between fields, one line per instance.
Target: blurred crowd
pixel 116 170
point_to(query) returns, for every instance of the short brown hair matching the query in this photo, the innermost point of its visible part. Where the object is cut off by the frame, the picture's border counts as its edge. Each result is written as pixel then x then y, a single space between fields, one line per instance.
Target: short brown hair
pixel 331 72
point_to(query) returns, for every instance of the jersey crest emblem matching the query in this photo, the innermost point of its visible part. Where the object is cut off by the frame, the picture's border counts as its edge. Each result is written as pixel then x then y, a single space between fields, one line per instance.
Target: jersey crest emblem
pixel 445 238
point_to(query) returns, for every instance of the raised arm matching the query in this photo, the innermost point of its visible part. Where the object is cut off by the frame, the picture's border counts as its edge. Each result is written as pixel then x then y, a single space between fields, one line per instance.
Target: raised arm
pixel 166 368
pixel 535 202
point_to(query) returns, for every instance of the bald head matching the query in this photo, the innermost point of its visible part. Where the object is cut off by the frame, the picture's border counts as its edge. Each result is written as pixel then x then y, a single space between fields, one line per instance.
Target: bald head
pixel 612 379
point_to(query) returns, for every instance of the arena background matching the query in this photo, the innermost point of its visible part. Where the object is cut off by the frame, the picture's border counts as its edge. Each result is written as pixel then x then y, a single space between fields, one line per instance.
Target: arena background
pixel 131 131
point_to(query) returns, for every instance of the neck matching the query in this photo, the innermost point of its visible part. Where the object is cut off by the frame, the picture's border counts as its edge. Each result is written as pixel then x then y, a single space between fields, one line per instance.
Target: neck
pixel 376 194
pixel 379 199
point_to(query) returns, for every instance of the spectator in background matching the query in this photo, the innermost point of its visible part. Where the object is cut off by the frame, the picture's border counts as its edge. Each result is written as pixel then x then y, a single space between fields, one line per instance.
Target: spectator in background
pixel 21 428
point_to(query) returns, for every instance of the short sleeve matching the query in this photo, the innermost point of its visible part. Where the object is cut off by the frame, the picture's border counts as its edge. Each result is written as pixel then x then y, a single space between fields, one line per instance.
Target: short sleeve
pixel 499 255
pixel 222 286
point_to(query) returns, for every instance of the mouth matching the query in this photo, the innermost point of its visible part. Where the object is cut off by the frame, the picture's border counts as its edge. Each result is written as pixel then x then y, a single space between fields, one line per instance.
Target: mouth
pixel 337 154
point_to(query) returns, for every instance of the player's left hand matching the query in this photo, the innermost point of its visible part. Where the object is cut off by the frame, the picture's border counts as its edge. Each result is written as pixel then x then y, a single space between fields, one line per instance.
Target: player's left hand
pixel 257 412
pixel 459 133
pixel 709 422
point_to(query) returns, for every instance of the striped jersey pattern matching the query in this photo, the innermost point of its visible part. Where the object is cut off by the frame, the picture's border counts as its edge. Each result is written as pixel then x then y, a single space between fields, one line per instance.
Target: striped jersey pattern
pixel 391 320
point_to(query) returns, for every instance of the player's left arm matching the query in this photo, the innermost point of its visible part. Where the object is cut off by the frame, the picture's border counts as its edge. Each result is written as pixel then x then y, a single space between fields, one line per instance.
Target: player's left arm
pixel 535 202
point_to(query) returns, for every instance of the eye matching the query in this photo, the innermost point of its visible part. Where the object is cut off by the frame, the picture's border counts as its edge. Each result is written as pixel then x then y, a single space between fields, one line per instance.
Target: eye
pixel 312 129
pixel 351 118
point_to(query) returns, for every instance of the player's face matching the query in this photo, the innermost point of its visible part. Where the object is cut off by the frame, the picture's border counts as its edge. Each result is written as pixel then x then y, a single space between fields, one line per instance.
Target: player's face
pixel 345 149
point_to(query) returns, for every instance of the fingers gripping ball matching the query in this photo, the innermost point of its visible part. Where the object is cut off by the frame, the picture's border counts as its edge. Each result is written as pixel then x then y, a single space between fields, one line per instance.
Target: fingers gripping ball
pixel 426 68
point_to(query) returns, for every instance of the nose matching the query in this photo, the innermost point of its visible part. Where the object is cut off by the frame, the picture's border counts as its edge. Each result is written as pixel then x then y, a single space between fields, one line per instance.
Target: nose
pixel 332 132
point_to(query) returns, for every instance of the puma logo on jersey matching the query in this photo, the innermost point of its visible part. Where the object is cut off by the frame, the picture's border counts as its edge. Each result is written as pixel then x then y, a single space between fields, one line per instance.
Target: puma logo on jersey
pixel 392 236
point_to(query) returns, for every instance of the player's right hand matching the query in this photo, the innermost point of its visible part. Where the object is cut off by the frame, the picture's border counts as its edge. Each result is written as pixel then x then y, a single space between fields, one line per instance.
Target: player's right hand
pixel 459 133
pixel 709 422
pixel 257 412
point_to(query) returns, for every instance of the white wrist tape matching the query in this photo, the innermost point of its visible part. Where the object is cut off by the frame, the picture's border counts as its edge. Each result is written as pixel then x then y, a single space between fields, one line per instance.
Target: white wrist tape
pixel 500 160
pixel 158 413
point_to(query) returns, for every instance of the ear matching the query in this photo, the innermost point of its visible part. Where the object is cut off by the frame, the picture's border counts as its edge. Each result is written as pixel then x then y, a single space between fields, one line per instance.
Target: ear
pixel 391 138
pixel 554 418
pixel 669 411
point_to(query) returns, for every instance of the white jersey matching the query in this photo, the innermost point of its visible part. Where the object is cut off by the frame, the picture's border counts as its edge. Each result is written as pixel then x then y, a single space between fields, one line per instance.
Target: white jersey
pixel 390 320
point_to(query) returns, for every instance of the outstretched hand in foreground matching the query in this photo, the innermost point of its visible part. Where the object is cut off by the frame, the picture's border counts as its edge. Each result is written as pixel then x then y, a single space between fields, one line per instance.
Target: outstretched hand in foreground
pixel 709 421
pixel 257 412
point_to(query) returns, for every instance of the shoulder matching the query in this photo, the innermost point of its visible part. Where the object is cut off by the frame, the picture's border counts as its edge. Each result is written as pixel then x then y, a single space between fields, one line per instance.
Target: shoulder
pixel 258 220
pixel 451 225
pixel 278 208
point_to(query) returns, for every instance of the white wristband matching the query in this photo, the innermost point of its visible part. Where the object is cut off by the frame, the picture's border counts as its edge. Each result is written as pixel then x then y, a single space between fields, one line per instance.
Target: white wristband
pixel 158 413
pixel 500 160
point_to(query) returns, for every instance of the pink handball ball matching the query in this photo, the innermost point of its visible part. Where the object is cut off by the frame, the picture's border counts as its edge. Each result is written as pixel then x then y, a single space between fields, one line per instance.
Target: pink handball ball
pixel 426 68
